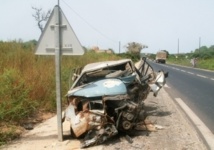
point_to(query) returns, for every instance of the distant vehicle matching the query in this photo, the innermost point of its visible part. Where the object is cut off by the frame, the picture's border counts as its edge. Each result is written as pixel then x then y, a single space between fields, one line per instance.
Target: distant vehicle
pixel 161 57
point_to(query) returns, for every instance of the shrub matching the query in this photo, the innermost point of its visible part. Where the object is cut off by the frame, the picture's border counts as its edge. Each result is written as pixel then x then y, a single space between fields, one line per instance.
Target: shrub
pixel 15 103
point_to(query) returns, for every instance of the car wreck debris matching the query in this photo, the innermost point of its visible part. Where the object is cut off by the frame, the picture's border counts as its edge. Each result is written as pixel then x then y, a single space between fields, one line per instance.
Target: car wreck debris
pixel 108 97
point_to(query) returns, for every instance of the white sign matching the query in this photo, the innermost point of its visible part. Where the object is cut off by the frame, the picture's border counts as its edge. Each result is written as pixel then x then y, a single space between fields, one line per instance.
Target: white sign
pixel 70 44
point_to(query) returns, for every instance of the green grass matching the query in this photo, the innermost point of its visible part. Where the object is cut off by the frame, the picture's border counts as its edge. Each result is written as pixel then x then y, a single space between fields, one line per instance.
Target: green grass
pixel 206 64
pixel 27 83
pixel 202 63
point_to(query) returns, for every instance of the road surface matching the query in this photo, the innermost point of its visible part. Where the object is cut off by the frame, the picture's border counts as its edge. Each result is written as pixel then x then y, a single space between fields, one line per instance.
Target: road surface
pixel 195 87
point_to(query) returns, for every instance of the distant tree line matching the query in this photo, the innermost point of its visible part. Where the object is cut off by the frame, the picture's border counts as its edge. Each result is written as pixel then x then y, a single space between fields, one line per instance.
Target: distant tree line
pixel 204 52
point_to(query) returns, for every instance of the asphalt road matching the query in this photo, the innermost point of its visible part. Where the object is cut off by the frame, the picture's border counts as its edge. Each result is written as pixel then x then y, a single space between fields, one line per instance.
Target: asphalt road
pixel 195 87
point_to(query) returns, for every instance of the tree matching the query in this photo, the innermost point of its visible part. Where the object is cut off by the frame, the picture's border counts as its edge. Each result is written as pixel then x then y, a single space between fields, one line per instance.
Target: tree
pixel 41 17
pixel 203 48
pixel 135 48
pixel 167 53
pixel 211 48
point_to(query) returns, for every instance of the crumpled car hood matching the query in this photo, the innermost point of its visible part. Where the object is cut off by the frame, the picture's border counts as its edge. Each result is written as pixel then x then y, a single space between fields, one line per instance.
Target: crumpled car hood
pixel 100 88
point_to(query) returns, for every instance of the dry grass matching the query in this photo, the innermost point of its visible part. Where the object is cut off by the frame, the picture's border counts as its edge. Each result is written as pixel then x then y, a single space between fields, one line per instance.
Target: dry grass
pixel 27 83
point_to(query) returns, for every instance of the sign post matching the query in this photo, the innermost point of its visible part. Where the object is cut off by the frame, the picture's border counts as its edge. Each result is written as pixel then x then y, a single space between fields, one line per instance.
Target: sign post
pixel 58 73
pixel 58 38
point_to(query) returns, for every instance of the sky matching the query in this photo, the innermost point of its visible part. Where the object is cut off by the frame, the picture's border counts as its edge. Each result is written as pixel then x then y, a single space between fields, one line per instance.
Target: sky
pixel 159 24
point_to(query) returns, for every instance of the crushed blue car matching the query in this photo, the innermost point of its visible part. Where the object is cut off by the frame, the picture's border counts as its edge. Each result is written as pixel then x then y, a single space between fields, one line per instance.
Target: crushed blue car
pixel 107 98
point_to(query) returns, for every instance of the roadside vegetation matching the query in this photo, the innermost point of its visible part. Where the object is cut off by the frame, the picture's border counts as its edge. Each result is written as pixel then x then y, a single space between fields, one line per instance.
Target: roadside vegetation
pixel 27 84
pixel 185 60
pixel 204 58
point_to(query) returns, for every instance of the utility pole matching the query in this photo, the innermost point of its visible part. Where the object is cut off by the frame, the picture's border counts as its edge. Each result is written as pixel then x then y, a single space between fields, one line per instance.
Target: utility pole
pixel 119 47
pixel 178 46
pixel 199 45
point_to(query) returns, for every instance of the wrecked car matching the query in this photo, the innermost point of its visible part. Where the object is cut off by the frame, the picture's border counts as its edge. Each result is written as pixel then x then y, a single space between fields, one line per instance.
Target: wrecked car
pixel 108 97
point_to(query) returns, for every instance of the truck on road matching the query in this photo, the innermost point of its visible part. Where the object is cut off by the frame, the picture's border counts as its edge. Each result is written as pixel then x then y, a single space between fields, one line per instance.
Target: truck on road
pixel 161 57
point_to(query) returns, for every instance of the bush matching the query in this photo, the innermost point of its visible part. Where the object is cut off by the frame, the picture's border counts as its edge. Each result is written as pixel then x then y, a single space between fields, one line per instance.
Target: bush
pixel 15 103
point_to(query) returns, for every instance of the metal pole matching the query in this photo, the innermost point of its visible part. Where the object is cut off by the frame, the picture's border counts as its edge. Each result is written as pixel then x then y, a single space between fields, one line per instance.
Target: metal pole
pixel 58 72
pixel 178 46
pixel 199 46
pixel 119 47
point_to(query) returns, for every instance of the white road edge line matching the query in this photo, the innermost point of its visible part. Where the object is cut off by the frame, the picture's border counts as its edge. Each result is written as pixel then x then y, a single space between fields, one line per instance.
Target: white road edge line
pixel 183 70
pixel 201 76
pixel 190 72
pixel 166 86
pixel 205 132
pixel 212 79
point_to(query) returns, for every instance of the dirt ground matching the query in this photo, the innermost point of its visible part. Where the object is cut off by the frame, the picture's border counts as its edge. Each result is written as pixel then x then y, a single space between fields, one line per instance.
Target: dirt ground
pixel 176 133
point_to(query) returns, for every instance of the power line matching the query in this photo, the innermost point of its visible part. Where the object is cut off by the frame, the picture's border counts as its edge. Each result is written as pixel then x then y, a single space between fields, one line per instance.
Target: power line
pixel 89 23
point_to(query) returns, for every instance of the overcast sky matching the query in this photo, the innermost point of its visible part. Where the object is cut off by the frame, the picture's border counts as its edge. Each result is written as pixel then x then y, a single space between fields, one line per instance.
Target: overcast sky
pixel 103 23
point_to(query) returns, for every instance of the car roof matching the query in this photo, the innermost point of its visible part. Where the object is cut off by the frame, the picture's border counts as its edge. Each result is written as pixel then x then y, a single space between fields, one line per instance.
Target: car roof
pixel 103 64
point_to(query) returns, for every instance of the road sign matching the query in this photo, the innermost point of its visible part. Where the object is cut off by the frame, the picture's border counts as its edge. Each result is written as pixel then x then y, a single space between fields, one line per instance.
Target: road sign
pixel 69 42
pixel 58 39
